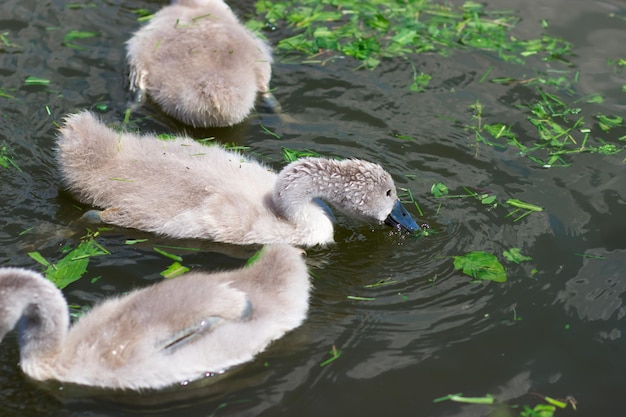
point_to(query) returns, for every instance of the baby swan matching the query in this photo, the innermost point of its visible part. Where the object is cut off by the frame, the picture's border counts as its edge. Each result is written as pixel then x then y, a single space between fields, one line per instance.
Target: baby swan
pixel 199 63
pixel 183 189
pixel 174 331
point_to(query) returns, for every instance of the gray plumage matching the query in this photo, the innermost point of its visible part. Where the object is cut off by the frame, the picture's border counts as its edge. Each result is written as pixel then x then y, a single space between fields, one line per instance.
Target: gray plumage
pixel 183 189
pixel 199 63
pixel 177 330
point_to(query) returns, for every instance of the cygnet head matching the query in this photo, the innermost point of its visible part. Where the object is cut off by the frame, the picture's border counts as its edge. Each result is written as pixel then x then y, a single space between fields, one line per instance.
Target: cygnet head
pixel 358 188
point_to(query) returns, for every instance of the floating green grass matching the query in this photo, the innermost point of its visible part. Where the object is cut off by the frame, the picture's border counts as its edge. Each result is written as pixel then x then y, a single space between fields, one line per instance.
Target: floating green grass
pixel 269 132
pixel 381 283
pixel 143 14
pixel 32 80
pixel 562 131
pixel 526 208
pixel 440 190
pixel 73 35
pixel 372 30
pixel 79 6
pixel 134 241
pixel 6 95
pixel 487 399
pixel 5 42
pixel 176 268
pixel 167 254
pixel 358 298
pixel 406 196
pixel 334 355
pixel 547 408
pixel 291 155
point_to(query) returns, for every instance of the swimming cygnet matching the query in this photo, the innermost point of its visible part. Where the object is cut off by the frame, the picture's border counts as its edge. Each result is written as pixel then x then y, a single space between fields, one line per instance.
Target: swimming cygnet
pixel 175 331
pixel 199 63
pixel 183 189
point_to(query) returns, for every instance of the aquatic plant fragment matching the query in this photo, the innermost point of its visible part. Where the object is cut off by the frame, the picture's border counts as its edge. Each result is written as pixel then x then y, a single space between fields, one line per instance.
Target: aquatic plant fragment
pixel 371 30
pixel 73 265
pixel 481 266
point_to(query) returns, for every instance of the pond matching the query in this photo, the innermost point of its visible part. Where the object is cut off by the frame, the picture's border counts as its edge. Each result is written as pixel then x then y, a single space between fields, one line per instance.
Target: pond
pixel 409 327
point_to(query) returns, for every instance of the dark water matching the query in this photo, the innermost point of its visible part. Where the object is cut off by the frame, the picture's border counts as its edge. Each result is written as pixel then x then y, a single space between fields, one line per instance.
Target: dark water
pixel 557 332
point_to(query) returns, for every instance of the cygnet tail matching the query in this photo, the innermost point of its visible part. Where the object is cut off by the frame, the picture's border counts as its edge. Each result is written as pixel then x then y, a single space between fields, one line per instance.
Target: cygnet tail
pixel 213 102
pixel 85 143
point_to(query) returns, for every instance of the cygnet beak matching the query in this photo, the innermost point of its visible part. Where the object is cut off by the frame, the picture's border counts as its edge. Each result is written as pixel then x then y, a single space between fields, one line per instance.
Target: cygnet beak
pixel 400 217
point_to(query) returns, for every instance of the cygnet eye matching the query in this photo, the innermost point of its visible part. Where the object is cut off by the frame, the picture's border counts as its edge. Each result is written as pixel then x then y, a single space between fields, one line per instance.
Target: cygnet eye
pixel 388 193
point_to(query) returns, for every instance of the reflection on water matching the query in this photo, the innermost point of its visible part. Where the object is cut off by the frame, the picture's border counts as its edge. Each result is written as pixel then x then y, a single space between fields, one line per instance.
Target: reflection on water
pixel 596 292
pixel 553 327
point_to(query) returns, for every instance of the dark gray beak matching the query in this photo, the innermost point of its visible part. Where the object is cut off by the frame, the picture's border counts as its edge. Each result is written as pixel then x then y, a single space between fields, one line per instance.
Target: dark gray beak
pixel 400 217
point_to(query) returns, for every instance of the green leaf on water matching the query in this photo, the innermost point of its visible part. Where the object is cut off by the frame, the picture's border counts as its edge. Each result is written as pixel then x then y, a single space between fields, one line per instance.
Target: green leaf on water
pixel 325 38
pixel 420 82
pixel 499 130
pixel 487 199
pixel 439 189
pixel 595 98
pixel 39 258
pixel 174 270
pixel 73 265
pixel 480 265
pixel 515 255
pixel 540 410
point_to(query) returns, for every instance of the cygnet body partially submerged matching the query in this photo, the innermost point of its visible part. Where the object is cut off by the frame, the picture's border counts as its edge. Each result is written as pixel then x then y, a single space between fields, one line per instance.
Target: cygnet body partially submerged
pixel 199 63
pixel 183 189
pixel 177 330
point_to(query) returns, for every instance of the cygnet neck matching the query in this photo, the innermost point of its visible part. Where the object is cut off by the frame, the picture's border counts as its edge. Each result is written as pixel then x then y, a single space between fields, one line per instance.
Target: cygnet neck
pixel 44 321
pixel 309 178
